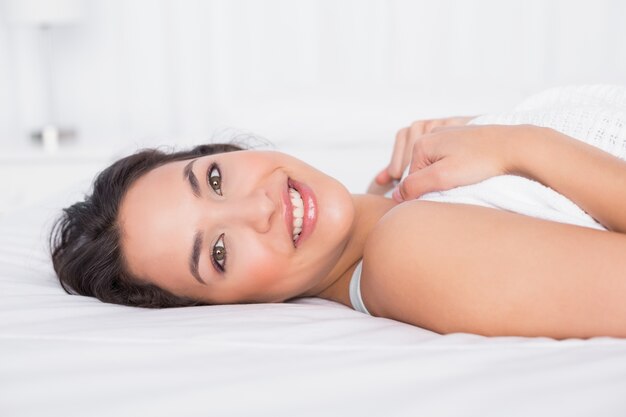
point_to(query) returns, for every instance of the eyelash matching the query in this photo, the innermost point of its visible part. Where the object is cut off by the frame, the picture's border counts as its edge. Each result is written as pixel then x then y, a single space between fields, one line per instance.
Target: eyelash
pixel 220 267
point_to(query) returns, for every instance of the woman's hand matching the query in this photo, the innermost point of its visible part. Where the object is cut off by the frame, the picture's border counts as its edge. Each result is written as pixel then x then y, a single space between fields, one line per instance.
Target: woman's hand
pixel 403 147
pixel 450 157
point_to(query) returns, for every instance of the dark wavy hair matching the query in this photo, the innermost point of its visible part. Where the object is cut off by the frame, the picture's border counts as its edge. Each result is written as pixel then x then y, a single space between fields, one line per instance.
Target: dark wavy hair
pixel 85 239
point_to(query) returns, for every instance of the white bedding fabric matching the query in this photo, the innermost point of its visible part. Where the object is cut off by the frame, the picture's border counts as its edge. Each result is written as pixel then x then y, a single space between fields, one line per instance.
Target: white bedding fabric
pixel 63 355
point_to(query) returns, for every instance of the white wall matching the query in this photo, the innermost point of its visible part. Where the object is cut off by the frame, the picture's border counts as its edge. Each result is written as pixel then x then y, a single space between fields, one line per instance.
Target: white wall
pixel 141 72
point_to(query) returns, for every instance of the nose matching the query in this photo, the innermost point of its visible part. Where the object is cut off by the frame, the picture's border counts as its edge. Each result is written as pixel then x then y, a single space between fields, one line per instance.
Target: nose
pixel 255 210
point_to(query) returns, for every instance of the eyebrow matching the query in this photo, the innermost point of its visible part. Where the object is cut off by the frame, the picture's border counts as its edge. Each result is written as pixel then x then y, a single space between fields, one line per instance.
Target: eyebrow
pixel 194 258
pixel 191 177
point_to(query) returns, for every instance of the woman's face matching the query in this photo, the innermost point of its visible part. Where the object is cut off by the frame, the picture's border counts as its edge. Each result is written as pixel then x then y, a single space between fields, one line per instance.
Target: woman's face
pixel 184 221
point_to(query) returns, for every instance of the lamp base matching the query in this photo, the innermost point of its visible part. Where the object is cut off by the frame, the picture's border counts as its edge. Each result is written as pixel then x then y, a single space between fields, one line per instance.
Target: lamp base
pixel 50 137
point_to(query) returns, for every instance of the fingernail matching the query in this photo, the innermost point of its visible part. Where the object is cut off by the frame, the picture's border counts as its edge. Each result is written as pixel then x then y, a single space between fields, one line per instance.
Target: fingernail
pixel 396 195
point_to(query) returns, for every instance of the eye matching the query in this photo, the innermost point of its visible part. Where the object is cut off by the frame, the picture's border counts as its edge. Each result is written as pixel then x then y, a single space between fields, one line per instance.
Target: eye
pixel 218 255
pixel 215 178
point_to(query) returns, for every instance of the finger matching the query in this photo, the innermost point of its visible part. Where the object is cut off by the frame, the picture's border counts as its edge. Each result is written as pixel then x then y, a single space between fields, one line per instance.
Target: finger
pixel 422 154
pixel 463 120
pixel 383 177
pixel 444 128
pixel 416 130
pixel 395 166
pixel 407 155
pixel 420 182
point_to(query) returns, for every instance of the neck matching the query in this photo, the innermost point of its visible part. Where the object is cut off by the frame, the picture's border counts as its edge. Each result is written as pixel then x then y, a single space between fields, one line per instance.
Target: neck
pixel 369 209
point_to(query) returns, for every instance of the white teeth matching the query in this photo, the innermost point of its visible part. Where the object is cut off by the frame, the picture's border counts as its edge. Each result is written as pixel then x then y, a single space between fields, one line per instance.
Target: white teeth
pixel 296 198
pixel 298 212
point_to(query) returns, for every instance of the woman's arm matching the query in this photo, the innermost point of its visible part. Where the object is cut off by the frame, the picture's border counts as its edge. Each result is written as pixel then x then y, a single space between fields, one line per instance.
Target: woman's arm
pixel 595 180
pixel 465 268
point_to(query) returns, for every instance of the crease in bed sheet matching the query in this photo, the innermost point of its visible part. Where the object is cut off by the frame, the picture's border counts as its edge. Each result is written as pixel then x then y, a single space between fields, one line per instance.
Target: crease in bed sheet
pixel 544 343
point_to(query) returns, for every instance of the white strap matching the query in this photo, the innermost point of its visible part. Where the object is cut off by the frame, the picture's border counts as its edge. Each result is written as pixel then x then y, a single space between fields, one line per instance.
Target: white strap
pixel 355 290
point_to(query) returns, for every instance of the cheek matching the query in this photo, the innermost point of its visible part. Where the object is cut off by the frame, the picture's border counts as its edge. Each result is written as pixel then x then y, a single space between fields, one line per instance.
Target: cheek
pixel 261 267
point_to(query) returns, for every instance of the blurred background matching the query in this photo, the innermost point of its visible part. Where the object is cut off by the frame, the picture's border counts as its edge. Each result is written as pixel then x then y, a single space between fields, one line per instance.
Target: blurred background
pixel 83 82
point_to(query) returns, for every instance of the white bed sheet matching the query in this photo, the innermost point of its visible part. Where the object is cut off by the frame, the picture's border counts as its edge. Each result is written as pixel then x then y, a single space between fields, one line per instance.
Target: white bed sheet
pixel 75 356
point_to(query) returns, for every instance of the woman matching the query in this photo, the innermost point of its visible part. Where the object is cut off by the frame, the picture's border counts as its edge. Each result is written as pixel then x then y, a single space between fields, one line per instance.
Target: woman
pixel 222 225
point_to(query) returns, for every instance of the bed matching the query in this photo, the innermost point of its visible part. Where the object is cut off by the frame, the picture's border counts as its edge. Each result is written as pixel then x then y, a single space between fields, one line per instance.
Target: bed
pixel 63 355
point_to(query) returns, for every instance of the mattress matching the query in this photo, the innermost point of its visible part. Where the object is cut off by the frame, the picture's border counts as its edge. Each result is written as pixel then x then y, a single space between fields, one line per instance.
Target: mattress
pixel 75 356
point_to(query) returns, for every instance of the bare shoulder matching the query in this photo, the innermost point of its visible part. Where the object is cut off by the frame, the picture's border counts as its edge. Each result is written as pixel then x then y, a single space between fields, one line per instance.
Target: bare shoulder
pixel 398 257
pixel 465 268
